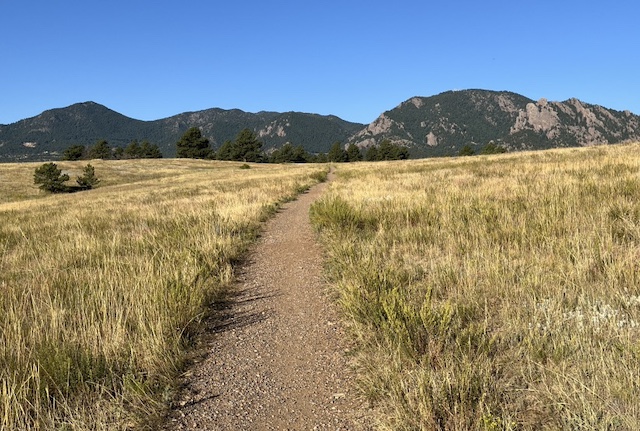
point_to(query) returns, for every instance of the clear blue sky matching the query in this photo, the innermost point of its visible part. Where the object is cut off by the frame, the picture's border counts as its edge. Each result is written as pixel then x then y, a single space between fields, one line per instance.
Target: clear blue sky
pixel 355 59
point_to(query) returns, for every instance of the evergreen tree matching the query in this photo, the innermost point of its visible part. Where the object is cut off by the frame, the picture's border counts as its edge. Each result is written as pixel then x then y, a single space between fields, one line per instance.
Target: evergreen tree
pixel 225 152
pixel 74 152
pixel 88 179
pixel 290 154
pixel 193 145
pixel 118 153
pixel 318 158
pixel 493 148
pixel 353 153
pixel 51 179
pixel 150 151
pixel 133 150
pixel 247 147
pixel 283 154
pixel 100 150
pixel 146 150
pixel 389 151
pixel 336 153
pixel 372 154
pixel 467 150
pixel 300 155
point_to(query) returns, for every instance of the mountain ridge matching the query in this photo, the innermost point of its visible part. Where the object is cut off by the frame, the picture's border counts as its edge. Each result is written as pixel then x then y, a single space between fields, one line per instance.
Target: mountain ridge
pixel 439 125
pixel 46 135
pixel 443 124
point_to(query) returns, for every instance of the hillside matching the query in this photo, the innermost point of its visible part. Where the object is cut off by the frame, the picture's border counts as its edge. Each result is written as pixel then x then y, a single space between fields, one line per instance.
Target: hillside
pixel 315 132
pixel 429 126
pixel 443 124
pixel 45 136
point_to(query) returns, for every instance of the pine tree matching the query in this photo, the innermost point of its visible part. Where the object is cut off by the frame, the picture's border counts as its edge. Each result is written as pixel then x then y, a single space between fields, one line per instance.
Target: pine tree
pixel 225 152
pixel 372 154
pixel 336 153
pixel 353 153
pixel 50 179
pixel 101 150
pixel 133 150
pixel 247 147
pixel 193 145
pixel 150 151
pixel 88 179
pixel 74 152
pixel 467 150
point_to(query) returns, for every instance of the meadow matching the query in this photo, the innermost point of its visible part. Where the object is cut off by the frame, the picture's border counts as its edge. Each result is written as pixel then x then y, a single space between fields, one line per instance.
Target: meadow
pixel 102 291
pixel 482 293
pixel 492 292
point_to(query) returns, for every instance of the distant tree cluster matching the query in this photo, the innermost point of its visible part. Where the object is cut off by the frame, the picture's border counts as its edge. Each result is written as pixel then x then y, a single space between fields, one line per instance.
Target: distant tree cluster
pixel 386 151
pixel 50 178
pixel 493 148
pixel 192 145
pixel 136 150
pixel 490 148
pixel 290 154
pixel 337 154
pixel 467 150
pixel 246 147
pixel 102 150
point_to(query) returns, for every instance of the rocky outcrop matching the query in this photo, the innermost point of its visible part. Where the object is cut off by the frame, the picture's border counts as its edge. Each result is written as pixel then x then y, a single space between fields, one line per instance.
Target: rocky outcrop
pixel 588 124
pixel 539 117
pixel 443 124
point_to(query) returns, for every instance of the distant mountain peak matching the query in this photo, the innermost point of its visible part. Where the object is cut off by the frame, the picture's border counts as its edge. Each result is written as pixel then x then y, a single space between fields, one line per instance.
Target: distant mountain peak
pixel 444 123
pixel 45 136
pixel 437 125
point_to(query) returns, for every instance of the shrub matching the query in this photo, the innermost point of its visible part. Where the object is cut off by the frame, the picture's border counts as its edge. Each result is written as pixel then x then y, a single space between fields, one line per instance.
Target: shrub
pixel 493 148
pixel 467 150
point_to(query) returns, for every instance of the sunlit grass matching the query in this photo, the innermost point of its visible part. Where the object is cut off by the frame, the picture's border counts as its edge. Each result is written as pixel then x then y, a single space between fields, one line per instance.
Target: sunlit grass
pixel 100 291
pixel 493 292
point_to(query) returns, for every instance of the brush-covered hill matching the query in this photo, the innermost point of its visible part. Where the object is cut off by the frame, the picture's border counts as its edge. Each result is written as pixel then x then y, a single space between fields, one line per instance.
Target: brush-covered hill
pixel 316 133
pixel 48 134
pixel 445 123
pixel 45 136
pixel 439 125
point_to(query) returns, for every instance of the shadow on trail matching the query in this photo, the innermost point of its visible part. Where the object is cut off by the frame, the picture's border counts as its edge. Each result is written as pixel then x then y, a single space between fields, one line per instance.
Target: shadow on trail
pixel 226 317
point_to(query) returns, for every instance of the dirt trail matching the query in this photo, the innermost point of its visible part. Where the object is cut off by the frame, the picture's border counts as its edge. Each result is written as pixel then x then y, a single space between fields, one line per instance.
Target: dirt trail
pixel 276 357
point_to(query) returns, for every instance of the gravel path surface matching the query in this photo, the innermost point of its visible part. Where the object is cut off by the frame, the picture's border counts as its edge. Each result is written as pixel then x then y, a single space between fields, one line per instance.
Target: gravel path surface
pixel 276 356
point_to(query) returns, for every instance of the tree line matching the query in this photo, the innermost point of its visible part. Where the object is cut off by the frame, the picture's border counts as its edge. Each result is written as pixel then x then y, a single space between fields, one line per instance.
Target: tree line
pixel 102 150
pixel 246 147
pixel 490 148
pixel 50 178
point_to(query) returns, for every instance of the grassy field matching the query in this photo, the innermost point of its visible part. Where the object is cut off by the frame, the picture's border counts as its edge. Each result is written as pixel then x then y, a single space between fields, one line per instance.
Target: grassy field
pixel 492 292
pixel 485 293
pixel 100 291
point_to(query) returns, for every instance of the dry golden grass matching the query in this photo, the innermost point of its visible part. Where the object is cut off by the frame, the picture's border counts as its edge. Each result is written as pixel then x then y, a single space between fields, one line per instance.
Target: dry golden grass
pixel 101 290
pixel 493 292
